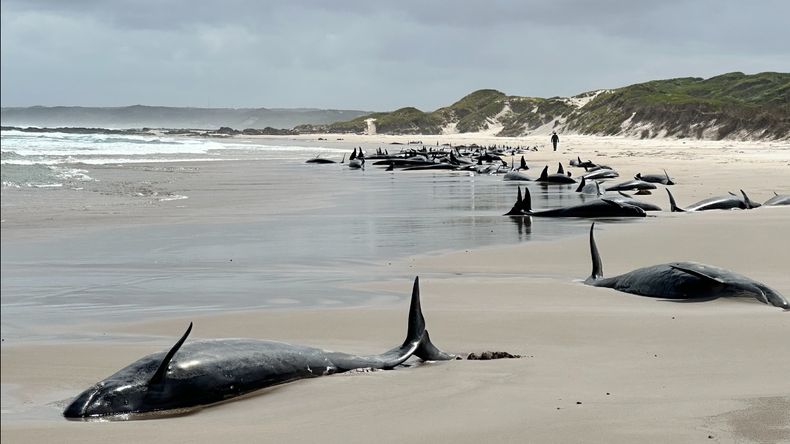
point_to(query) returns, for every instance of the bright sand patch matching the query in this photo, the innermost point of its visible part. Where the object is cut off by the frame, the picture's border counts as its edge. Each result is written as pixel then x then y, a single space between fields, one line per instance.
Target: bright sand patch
pixel 599 366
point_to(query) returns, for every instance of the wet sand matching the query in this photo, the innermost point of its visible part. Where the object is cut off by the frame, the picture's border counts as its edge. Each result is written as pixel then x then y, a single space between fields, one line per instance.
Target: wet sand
pixel 598 365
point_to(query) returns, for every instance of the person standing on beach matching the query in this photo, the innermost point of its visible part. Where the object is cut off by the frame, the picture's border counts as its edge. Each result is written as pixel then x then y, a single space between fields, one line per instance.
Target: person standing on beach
pixel 555 139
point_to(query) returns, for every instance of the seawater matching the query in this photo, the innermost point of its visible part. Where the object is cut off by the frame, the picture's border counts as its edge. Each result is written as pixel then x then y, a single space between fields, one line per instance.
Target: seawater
pixel 296 258
pixel 55 159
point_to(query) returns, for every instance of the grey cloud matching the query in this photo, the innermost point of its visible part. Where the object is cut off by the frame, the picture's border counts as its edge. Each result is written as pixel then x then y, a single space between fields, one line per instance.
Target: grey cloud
pixel 368 55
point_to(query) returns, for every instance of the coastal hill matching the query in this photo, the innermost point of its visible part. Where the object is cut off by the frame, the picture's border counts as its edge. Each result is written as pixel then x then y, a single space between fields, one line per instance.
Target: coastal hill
pixel 729 106
pixel 139 116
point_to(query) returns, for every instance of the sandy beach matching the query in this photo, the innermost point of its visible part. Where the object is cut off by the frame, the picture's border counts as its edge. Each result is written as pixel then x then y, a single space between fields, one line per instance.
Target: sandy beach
pixel 597 365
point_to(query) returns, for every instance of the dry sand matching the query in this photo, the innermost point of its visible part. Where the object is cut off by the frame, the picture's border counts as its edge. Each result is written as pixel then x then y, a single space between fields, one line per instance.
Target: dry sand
pixel 598 365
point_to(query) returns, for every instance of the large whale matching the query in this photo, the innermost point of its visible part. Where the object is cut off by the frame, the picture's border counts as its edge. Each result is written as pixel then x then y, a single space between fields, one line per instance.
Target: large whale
pixel 594 208
pixel 682 280
pixel 205 372
pixel 727 202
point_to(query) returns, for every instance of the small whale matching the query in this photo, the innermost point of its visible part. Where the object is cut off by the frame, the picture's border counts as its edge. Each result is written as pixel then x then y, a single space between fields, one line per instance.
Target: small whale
pixel 633 185
pixel 555 179
pixel 577 162
pixel 516 175
pixel 200 373
pixel 601 173
pixel 647 206
pixel 595 208
pixel 319 160
pixel 682 280
pixel 728 202
pixel 591 187
pixel 778 199
pixel 663 179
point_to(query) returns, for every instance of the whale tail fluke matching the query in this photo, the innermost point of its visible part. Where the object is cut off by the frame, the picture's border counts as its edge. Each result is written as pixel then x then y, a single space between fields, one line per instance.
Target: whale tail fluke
pixel 750 204
pixel 526 203
pixel 669 181
pixel 416 331
pixel 597 265
pixel 517 207
pixel 417 341
pixel 672 205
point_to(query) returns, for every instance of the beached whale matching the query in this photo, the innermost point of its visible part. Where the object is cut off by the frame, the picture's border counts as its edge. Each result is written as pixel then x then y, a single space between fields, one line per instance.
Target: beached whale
pixel 682 280
pixel 591 187
pixel 640 186
pixel 594 208
pixel 778 199
pixel 319 160
pixel 559 178
pixel 577 162
pixel 663 179
pixel 205 372
pixel 647 206
pixel 728 202
pixel 516 175
pixel 601 173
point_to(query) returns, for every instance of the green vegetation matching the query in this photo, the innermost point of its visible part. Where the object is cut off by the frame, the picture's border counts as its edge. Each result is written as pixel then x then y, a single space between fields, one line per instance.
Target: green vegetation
pixel 729 105
pixel 686 107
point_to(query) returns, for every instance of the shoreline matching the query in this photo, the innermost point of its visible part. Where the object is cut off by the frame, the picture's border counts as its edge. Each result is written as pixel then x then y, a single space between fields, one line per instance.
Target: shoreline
pixel 590 355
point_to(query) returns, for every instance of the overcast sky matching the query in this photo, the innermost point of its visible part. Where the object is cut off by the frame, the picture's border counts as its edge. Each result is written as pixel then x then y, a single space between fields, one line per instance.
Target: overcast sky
pixel 370 55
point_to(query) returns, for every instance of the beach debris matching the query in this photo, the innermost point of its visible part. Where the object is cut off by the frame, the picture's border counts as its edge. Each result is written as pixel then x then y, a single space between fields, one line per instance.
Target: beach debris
pixel 489 355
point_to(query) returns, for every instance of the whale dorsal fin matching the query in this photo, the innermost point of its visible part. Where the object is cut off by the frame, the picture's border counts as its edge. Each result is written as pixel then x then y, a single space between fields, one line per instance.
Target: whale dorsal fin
pixel 598 188
pixel 749 204
pixel 159 376
pixel 560 169
pixel 544 174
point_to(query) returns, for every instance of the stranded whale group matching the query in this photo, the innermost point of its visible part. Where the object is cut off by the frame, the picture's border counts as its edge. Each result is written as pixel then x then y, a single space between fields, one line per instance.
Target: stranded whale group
pixel 200 373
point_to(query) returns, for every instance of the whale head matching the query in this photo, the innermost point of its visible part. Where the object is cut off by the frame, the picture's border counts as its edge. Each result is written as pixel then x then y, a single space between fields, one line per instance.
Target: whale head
pixel 139 388
pixel 109 398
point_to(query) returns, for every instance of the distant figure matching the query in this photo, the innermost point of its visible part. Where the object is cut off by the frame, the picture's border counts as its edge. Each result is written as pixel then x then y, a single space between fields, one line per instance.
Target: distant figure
pixel 555 139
